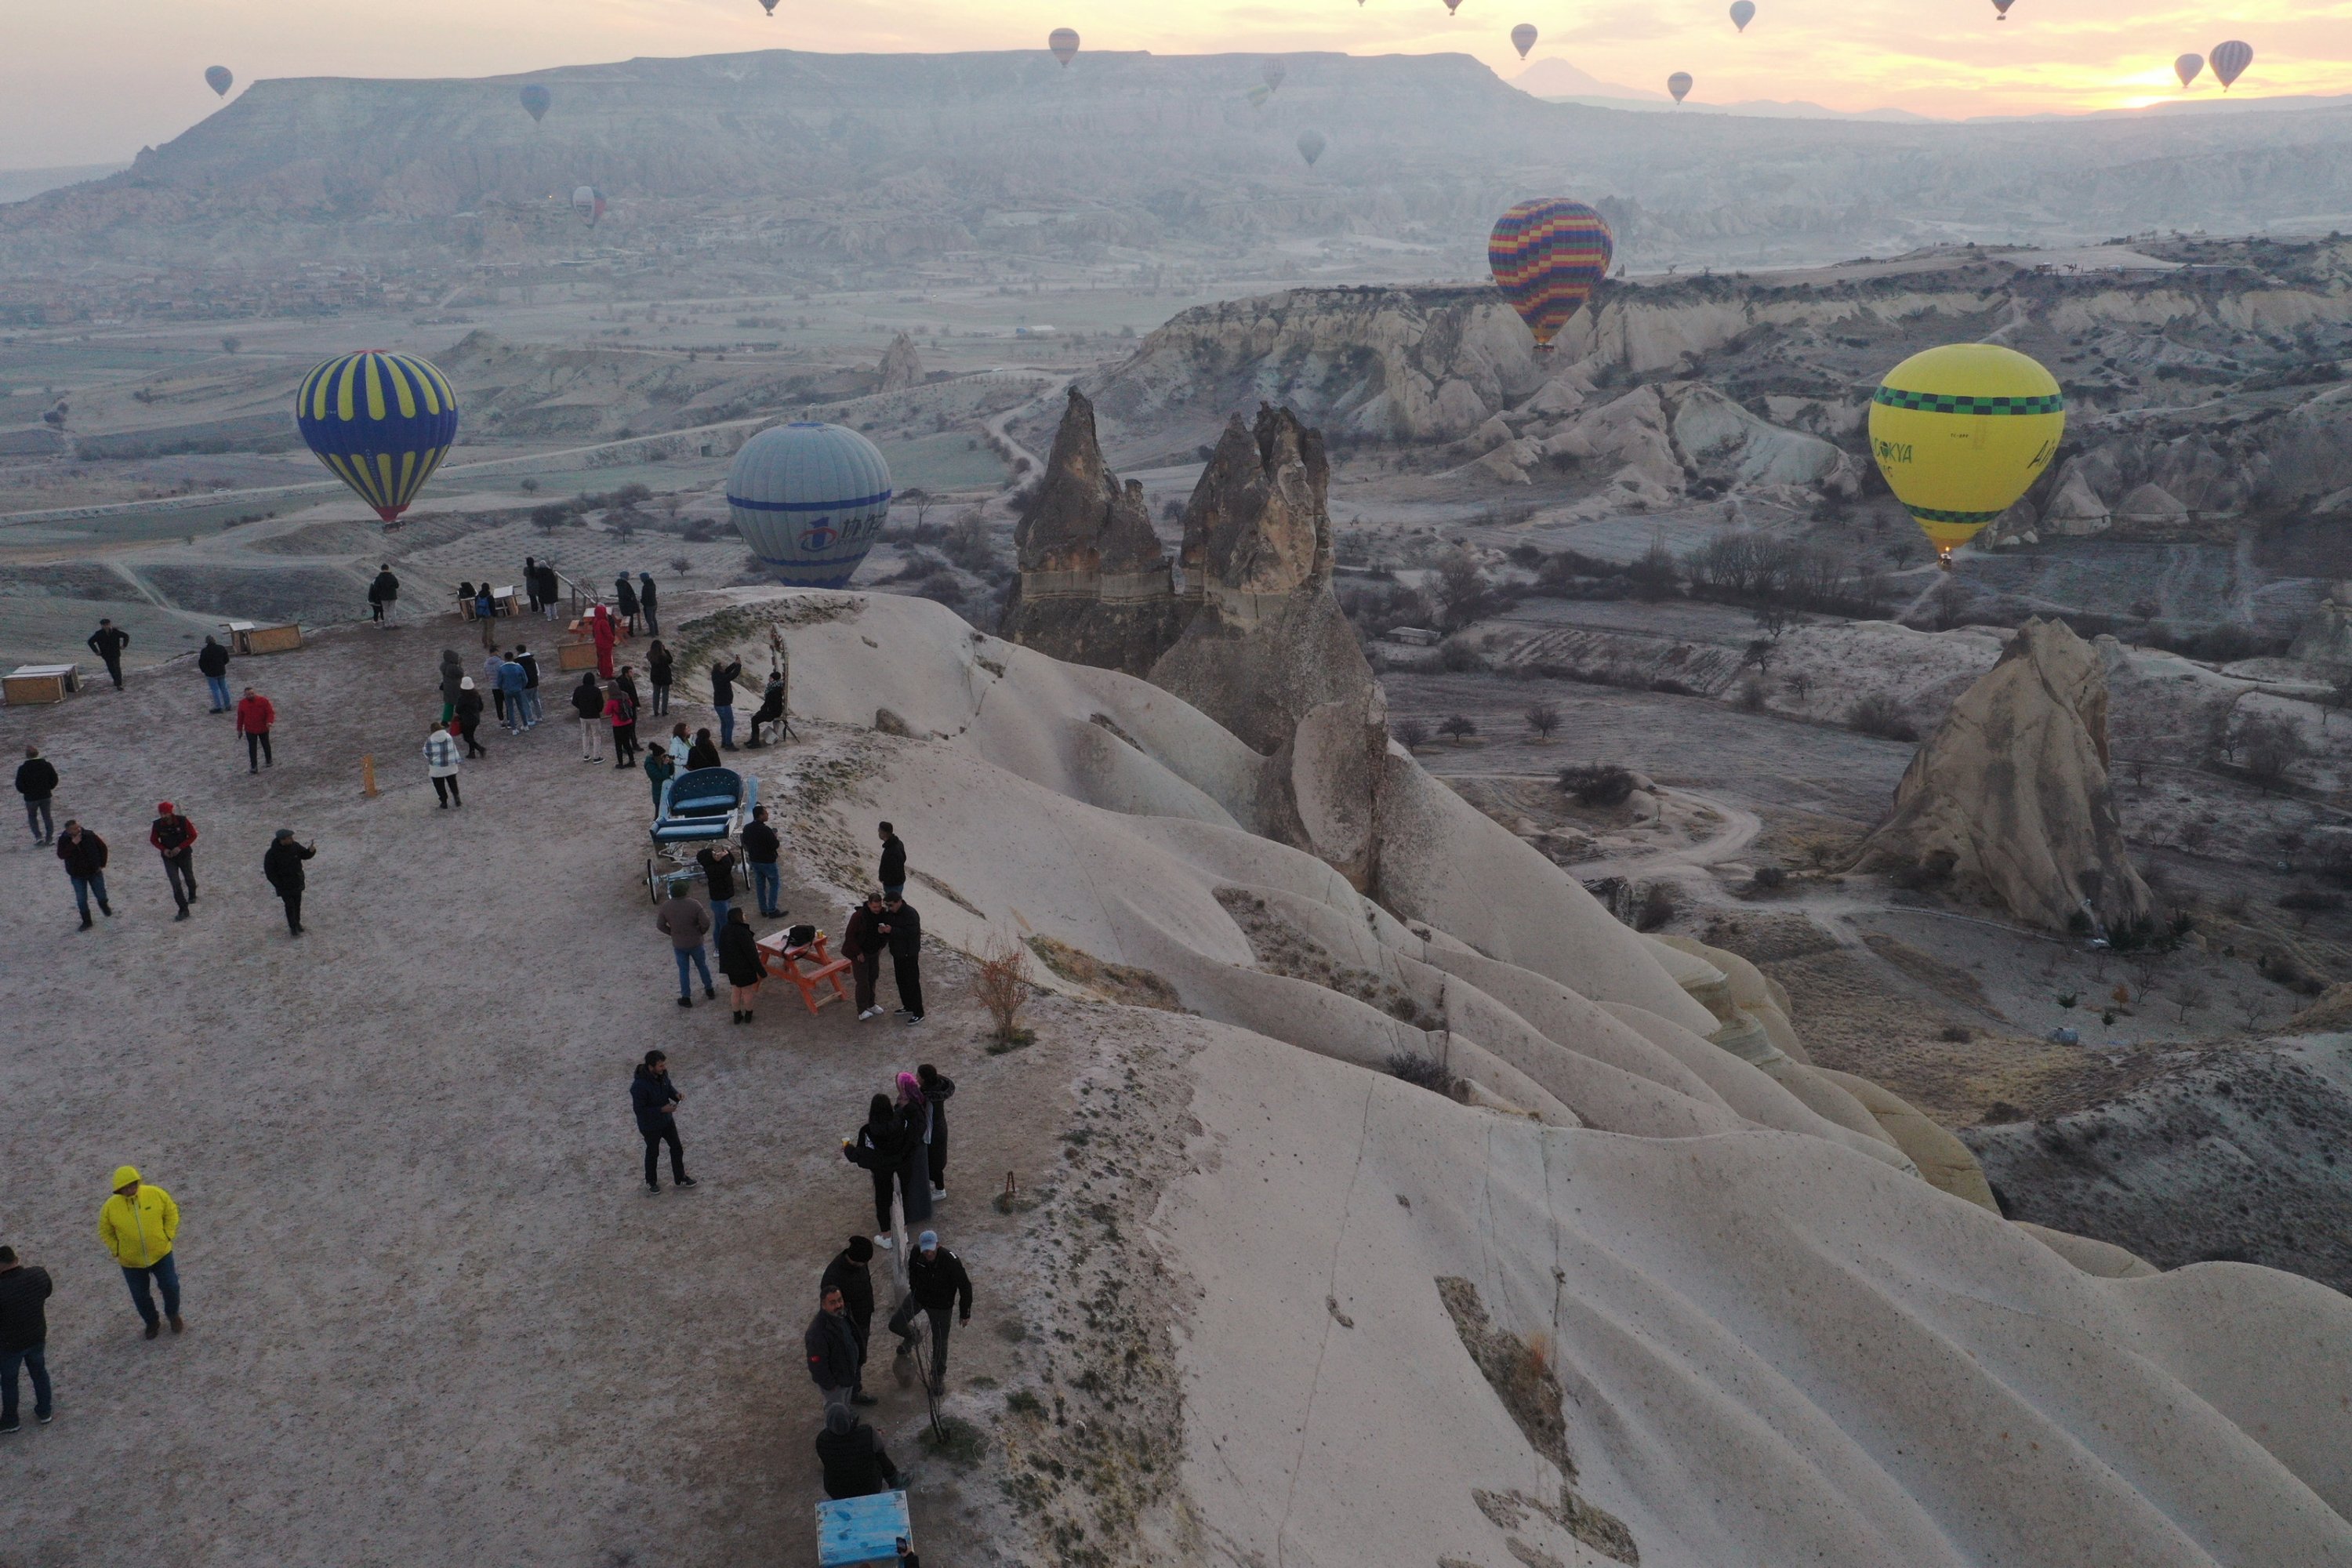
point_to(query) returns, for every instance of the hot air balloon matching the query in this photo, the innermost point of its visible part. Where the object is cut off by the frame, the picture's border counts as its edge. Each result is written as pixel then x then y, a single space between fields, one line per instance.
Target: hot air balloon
pixel 1310 147
pixel 1960 432
pixel 1742 13
pixel 1546 256
pixel 769 6
pixel 381 422
pixel 535 100
pixel 2187 66
pixel 1451 6
pixel 1063 42
pixel 2003 6
pixel 809 500
pixel 589 203
pixel 2229 61
pixel 1523 38
pixel 1258 95
pixel 1274 73
pixel 219 79
pixel 1679 84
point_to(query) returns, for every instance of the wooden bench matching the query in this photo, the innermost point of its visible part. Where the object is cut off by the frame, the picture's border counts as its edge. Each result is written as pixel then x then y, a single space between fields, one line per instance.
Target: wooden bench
pixel 249 637
pixel 851 1532
pixel 41 683
pixel 784 963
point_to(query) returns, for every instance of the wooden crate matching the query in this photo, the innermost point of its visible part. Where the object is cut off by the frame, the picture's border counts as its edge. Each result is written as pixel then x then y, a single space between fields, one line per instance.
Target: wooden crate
pixel 30 683
pixel 252 638
pixel 575 655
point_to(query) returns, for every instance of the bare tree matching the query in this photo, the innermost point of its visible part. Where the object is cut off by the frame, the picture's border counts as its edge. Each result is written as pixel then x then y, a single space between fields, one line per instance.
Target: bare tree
pixel 1458 728
pixel 681 564
pixel 2188 996
pixel 2272 744
pixel 1411 733
pixel 1543 719
pixel 1799 685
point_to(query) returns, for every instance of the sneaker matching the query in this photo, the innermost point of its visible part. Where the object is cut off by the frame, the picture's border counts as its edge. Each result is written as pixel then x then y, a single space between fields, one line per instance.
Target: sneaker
pixel 182 914
pixel 653 1187
pixel 106 910
pixel 868 1013
pixel 883 1242
pixel 43 1416
pixel 10 1427
pixel 913 1020
pixel 939 1195
pixel 686 1001
pixel 685 1182
pixel 86 923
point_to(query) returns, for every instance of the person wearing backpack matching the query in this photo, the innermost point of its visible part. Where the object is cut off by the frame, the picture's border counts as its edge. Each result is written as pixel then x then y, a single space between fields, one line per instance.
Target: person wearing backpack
pixel 174 839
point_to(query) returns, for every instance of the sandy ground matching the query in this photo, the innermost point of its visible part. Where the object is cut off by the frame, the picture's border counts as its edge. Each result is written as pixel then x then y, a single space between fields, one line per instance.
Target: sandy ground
pixel 434 1316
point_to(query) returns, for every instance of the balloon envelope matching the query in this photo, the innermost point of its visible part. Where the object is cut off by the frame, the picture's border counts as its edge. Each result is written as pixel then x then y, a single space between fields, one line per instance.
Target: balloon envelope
pixel 1523 38
pixel 2003 6
pixel 1451 6
pixel 1679 84
pixel 589 203
pixel 1546 256
pixel 809 500
pixel 2230 60
pixel 1063 42
pixel 1310 147
pixel 219 79
pixel 381 422
pixel 1960 431
pixel 768 5
pixel 2187 66
pixel 535 100
pixel 1742 13
pixel 1274 73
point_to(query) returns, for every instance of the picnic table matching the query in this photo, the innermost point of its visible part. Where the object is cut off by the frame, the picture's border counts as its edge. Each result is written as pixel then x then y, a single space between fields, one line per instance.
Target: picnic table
pixel 785 961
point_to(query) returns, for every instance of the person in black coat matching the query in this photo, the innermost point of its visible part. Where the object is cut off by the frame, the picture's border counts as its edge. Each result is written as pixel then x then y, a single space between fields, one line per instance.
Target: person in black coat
pixel 937 1087
pixel 212 663
pixel 24 1332
pixel 469 717
pixel 702 753
pixel 723 677
pixel 739 958
pixel 37 781
pixel 382 592
pixel 281 863
pixel 863 944
pixel 892 869
pixel 937 1285
pixel 625 600
pixel 107 642
pixel 588 703
pixel 904 928
pixel 654 1100
pixel 84 854
pixel 659 667
pixel 835 1360
pixel 855 1464
pixel 849 1274
pixel 646 598
pixel 880 1147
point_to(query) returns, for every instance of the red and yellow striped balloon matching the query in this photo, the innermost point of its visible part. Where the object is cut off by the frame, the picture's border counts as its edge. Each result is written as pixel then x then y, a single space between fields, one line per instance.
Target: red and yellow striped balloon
pixel 1547 255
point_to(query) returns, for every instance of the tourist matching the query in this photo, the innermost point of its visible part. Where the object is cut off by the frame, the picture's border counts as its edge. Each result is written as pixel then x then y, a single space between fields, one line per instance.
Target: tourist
pixel 863 943
pixel 486 609
pixel 24 1334
pixel 37 781
pixel 855 1464
pixel 107 642
pixel 381 593
pixel 441 765
pixel 137 1224
pixel 680 748
pixel 938 1089
pixel 686 923
pixel 719 867
pixel 281 866
pixel 255 718
pixel 492 663
pixel 550 590
pixel 174 838
pixel 761 848
pixel 646 595
pixel 849 1274
pixel 624 599
pixel 659 771
pixel 601 632
pixel 832 1353
pixel 530 584
pixel 936 1282
pixel 621 713
pixel 588 702
pixel 84 855
pixel 914 1114
pixel 531 712
pixel 772 708
pixel 904 927
pixel 627 681
pixel 656 1098
pixel 469 717
pixel 212 663
pixel 881 1150
pixel 658 667
pixel 703 754
pixel 723 677
pixel 453 678
pixel 741 961
pixel 892 869
pixel 513 678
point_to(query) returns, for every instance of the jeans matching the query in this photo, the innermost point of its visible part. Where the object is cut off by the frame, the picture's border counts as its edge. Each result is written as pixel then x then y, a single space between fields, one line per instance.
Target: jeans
pixel 180 870
pixel 655 1138
pixel 941 1318
pixel 31 1360
pixel 530 709
pixel 718 908
pixel 218 686
pixel 164 1271
pixel 85 887
pixel 653 624
pixel 256 750
pixel 591 729
pixel 726 711
pixel 767 886
pixel 517 714
pixel 36 817
pixel 694 955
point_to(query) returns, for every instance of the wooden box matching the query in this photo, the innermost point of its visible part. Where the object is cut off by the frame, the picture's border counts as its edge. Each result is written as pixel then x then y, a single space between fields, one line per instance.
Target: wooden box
pixel 575 655
pixel 861 1530
pixel 40 683
pixel 250 637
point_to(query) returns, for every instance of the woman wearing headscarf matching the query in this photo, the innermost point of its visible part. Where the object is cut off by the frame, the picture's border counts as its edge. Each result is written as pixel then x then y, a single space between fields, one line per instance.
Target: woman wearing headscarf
pixel 915 1124
pixel 880 1148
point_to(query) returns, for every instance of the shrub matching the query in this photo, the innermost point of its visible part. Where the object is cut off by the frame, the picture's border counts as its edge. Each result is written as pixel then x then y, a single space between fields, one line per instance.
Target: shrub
pixel 1770 878
pixel 2310 901
pixel 1000 982
pixel 1751 698
pixel 1426 1072
pixel 1461 659
pixel 1597 784
pixel 1880 715
pixel 1658 907
pixel 1411 733
pixel 549 516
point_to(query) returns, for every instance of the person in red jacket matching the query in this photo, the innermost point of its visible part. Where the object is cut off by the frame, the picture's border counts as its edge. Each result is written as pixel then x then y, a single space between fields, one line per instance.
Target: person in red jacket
pixel 174 839
pixel 254 718
pixel 604 634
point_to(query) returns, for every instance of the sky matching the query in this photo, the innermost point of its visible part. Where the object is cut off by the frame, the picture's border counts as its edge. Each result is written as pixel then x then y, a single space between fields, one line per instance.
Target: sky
pixel 96 79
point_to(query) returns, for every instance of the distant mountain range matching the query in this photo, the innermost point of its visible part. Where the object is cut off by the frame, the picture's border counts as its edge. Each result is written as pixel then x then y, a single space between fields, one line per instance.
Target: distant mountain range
pixel 17 185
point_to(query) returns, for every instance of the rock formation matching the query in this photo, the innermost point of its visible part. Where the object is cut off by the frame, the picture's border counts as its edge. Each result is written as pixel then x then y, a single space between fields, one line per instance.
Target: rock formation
pixel 901 366
pixel 2008 799
pixel 1095 586
pixel 2325 641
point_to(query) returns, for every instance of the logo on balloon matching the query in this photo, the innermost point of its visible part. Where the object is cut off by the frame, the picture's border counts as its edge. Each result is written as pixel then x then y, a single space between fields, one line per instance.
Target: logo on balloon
pixel 819 535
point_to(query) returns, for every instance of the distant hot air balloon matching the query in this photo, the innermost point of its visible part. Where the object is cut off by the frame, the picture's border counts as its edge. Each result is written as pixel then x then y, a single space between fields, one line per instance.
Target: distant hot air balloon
pixel 1275 73
pixel 535 100
pixel 1960 432
pixel 1451 6
pixel 769 6
pixel 809 500
pixel 589 203
pixel 1546 256
pixel 1310 147
pixel 381 422
pixel 1065 44
pixel 2229 61
pixel 1679 84
pixel 1258 95
pixel 1523 38
pixel 1742 13
pixel 219 79
pixel 2003 6
pixel 2187 66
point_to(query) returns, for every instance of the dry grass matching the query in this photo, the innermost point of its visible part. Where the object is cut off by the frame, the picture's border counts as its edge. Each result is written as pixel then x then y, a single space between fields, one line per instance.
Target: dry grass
pixel 1118 982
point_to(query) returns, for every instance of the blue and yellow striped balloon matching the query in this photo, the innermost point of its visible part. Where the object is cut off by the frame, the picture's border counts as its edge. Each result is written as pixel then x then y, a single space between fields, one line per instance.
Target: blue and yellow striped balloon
pixel 381 422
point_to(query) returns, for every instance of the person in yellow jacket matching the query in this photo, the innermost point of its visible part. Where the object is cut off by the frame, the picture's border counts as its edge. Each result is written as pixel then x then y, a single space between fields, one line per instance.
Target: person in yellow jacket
pixel 137 1224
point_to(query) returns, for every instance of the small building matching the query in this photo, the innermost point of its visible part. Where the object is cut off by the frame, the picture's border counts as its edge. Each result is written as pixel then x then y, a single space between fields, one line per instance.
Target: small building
pixel 1413 637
